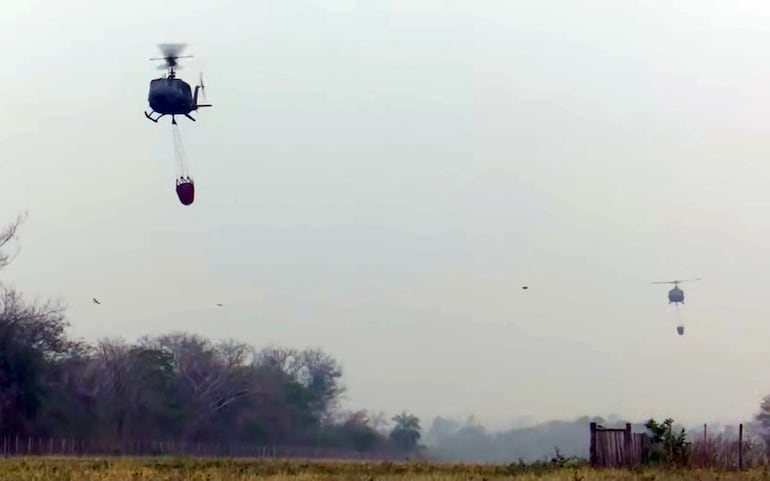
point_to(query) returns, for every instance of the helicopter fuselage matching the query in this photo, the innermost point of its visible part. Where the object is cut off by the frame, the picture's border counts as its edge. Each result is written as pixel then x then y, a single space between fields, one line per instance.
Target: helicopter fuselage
pixel 676 295
pixel 171 96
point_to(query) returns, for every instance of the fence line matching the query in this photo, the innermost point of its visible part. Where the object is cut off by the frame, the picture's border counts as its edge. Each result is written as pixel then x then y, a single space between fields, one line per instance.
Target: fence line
pixel 49 446
pixel 727 452
pixel 618 447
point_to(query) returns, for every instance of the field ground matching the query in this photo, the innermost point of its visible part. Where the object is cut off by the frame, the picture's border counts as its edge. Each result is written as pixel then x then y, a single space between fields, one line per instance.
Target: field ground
pixel 197 469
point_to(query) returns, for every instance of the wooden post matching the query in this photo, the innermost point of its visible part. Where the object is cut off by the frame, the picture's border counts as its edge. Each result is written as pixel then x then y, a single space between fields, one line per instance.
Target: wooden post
pixel 592 454
pixel 740 447
pixel 628 444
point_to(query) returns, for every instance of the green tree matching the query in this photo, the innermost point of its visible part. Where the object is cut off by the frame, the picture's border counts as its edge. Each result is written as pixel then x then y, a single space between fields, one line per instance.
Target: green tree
pixel 668 445
pixel 406 432
pixel 32 340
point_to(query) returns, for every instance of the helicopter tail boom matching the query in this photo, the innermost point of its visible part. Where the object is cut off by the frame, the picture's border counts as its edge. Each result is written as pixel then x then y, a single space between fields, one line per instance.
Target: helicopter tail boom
pixel 199 88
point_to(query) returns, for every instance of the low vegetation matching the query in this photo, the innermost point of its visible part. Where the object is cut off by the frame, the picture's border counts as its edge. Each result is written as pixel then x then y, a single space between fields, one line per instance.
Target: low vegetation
pixel 200 469
pixel 678 466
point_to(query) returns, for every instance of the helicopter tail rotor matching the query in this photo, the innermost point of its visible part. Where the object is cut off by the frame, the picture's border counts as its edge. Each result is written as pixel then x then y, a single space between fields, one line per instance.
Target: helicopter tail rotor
pixel 203 87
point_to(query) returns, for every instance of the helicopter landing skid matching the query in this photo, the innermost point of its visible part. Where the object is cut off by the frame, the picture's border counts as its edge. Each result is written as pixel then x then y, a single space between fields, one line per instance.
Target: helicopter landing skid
pixel 173 117
pixel 149 116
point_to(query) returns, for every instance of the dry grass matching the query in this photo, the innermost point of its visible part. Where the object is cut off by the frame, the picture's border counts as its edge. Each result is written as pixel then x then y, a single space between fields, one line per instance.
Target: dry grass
pixel 718 452
pixel 196 469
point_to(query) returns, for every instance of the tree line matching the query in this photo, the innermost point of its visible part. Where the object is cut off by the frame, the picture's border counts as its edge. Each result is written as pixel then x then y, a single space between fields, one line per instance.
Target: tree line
pixel 184 387
pixel 177 386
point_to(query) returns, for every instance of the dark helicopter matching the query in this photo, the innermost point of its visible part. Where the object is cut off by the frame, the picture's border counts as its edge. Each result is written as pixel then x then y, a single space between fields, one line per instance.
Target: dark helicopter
pixel 170 95
pixel 676 295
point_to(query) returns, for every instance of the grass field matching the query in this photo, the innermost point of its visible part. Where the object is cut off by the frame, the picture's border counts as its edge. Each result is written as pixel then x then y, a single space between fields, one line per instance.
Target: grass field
pixel 189 469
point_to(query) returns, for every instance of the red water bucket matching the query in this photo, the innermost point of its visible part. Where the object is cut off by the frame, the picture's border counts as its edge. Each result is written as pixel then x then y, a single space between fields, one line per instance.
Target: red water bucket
pixel 185 190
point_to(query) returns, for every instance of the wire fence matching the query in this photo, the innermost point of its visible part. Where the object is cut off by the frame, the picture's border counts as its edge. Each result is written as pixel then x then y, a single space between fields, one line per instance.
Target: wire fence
pixel 49 446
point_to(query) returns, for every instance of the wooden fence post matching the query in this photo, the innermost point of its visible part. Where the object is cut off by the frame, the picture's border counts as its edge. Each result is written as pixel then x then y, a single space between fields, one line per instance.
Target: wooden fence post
pixel 592 453
pixel 628 444
pixel 740 447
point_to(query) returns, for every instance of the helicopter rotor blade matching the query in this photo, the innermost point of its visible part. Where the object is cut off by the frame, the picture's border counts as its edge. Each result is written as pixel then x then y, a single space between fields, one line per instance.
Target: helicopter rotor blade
pixel 166 58
pixel 171 49
pixel 171 53
pixel 677 281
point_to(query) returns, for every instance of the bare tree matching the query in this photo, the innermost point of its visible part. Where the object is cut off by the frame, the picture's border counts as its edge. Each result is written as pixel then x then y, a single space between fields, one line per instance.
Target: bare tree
pixel 210 376
pixel 311 368
pixel 7 235
pixel 288 361
pixel 40 326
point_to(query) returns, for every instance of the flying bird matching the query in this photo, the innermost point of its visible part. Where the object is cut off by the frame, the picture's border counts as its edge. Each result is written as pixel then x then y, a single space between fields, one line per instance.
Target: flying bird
pixel 96 301
pixel 525 287
pixel 220 305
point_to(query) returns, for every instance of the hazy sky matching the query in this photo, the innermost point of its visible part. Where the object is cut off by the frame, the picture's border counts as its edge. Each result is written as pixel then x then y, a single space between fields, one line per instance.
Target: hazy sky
pixel 378 179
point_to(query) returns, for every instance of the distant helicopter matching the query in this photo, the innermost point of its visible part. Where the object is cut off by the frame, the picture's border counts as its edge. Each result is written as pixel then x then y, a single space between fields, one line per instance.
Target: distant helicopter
pixel 676 295
pixel 170 95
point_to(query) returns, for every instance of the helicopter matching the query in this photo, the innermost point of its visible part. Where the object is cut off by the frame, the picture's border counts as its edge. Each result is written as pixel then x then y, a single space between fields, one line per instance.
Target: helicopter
pixel 170 95
pixel 676 295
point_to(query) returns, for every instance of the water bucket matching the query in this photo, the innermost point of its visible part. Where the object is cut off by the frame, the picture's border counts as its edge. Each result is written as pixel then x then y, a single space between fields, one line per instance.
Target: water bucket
pixel 185 190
